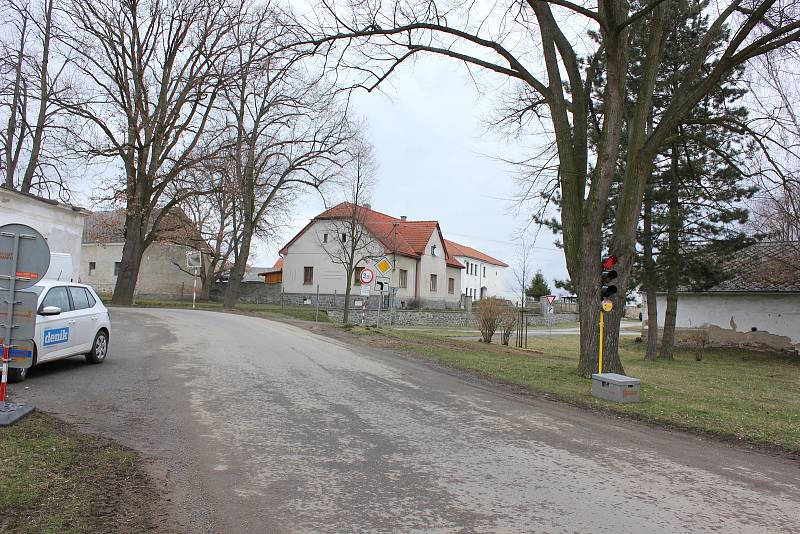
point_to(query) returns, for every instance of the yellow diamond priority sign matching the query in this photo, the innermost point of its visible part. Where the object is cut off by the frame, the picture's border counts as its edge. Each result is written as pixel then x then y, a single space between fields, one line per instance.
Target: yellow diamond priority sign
pixel 384 266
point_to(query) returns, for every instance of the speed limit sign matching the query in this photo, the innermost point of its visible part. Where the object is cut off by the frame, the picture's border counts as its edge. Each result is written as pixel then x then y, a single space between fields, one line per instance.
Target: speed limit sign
pixel 367 276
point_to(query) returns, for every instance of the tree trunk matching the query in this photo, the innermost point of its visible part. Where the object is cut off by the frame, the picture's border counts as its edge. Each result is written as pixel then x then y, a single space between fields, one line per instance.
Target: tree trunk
pixel 234 288
pixel 670 313
pixel 132 252
pixel 347 292
pixel 589 316
pixel 649 279
pixel 673 266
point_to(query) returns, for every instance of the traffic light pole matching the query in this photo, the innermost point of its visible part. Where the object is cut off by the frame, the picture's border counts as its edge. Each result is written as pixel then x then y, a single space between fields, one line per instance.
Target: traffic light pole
pixel 600 355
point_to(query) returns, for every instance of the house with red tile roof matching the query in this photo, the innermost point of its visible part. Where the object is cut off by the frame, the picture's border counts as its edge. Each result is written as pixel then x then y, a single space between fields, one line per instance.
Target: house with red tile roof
pixel 423 267
pixel 483 276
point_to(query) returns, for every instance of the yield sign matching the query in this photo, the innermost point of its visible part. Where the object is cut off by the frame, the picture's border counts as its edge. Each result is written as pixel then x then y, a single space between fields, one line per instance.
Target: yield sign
pixel 551 298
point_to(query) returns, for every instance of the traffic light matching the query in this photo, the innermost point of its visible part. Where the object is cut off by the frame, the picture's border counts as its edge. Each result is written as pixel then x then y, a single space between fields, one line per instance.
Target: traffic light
pixel 607 286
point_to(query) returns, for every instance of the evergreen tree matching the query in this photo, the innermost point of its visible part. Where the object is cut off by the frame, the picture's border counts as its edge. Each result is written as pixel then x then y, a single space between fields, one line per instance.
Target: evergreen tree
pixel 695 196
pixel 538 287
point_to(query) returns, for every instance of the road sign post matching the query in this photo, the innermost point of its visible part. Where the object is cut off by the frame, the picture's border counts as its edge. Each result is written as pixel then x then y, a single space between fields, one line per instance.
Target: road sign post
pixel 24 260
pixel 194 260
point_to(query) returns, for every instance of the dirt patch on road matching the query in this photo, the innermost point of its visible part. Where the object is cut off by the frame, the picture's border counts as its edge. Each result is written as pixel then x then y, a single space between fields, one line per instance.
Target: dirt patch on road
pixel 56 479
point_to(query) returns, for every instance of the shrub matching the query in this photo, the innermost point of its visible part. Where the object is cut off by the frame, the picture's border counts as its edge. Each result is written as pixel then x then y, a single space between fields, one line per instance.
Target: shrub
pixel 488 314
pixel 413 304
pixel 508 323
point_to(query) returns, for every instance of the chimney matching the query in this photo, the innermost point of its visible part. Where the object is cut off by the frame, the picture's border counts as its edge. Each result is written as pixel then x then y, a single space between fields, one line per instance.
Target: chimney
pixel 403 218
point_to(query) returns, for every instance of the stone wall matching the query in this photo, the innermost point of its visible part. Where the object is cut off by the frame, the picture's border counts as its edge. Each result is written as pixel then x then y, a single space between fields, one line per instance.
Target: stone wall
pixel 408 317
pixel 433 317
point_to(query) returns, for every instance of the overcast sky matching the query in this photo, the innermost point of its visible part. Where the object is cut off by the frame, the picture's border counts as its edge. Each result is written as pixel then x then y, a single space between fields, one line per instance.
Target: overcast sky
pixel 437 161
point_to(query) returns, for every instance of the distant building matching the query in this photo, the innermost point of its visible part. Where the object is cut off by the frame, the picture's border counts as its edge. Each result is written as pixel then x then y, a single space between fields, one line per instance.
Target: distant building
pixel 757 305
pixel 273 275
pixel 425 271
pixel 60 224
pixel 483 276
pixel 163 272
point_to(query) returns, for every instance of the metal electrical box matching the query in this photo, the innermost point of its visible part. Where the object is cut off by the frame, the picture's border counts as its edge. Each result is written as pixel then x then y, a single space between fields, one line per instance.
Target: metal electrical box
pixel 615 387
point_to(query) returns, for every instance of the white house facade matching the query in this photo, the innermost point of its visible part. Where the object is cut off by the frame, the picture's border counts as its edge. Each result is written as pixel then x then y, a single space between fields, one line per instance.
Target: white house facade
pixel 60 224
pixel 163 272
pixel 757 306
pixel 483 276
pixel 423 270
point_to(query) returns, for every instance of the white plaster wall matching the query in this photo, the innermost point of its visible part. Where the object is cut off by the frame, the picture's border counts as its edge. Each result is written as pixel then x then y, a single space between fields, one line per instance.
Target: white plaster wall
pixel 158 274
pixel 494 281
pixel 60 225
pixel 404 294
pixel 777 314
pixel 309 251
pixel 435 265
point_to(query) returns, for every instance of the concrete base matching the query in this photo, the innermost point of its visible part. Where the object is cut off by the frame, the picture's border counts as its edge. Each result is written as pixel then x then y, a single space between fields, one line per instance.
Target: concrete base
pixel 11 412
pixel 616 388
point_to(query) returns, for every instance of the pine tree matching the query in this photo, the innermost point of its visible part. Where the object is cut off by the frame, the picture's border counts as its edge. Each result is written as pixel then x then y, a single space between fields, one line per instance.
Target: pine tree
pixel 538 287
pixel 695 196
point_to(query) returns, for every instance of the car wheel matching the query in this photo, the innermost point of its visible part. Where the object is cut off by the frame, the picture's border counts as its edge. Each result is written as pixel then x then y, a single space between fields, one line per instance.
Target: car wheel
pixel 17 375
pixel 99 348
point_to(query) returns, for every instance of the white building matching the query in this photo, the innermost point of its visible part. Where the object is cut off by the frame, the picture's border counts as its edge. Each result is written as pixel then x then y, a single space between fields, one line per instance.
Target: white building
pixel 163 272
pixel 423 268
pixel 60 224
pixel 483 276
pixel 757 305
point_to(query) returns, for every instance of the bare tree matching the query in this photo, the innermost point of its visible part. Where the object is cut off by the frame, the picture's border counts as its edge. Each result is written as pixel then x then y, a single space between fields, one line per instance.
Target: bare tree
pixel 775 88
pixel 213 215
pixel 149 79
pixel 523 267
pixel 352 241
pixel 526 42
pixel 288 132
pixel 33 154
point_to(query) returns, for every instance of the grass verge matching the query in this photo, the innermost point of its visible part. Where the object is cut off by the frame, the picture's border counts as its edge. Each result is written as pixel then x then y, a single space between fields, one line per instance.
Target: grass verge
pixel 303 313
pixel 739 394
pixel 56 480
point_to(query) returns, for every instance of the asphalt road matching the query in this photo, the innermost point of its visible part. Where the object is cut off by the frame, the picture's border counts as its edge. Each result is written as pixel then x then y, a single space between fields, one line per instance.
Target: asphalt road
pixel 258 426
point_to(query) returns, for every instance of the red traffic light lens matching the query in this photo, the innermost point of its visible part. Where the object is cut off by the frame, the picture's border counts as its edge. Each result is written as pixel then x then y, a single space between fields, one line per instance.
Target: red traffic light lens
pixel 609 262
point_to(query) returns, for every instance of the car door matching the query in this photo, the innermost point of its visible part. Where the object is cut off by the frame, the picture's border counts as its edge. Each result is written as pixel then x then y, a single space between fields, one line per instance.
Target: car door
pixel 54 337
pixel 84 319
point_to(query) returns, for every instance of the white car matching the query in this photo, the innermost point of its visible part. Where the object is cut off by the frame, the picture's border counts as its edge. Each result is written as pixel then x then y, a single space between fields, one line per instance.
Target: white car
pixel 70 320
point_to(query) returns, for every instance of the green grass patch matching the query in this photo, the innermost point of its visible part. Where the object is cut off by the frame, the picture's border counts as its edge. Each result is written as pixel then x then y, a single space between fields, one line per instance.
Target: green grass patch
pixel 303 313
pixel 54 480
pixel 737 393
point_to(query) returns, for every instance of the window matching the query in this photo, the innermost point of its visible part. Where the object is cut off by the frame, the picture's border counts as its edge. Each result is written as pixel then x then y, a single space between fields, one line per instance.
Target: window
pixel 357 273
pixel 57 297
pixel 451 285
pixel 92 267
pixel 484 271
pixel 433 283
pixel 403 278
pixel 117 265
pixel 79 299
pixel 433 250
pixel 324 238
pixel 344 238
pixel 308 276
pixel 466 264
pixel 92 300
